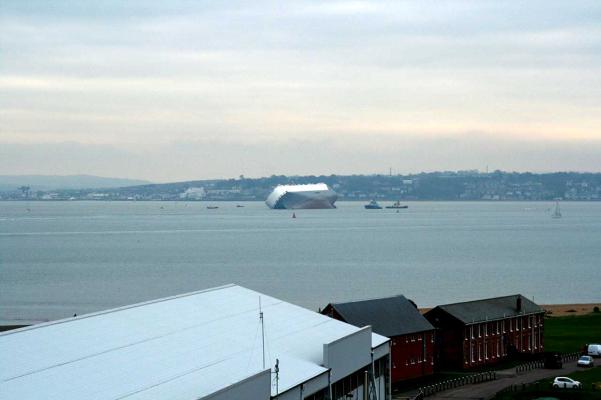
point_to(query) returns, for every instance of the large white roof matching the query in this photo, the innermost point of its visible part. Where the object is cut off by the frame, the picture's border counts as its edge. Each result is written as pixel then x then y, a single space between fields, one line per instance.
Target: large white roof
pixel 183 347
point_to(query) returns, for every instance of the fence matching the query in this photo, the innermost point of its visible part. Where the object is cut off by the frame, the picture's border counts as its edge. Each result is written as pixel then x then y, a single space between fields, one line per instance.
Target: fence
pixel 570 356
pixel 529 366
pixel 541 364
pixel 457 382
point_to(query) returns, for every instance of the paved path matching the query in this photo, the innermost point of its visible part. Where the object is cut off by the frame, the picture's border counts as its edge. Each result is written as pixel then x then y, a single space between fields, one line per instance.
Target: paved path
pixel 488 390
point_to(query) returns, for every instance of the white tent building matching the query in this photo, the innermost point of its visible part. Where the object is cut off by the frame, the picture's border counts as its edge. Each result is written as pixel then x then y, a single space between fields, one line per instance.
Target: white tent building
pixel 201 345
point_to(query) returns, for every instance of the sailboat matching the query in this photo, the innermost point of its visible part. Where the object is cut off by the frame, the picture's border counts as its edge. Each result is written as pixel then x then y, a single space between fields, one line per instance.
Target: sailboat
pixel 556 212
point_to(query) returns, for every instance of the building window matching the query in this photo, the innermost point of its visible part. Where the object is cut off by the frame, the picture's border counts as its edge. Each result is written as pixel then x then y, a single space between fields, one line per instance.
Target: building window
pixel 472 351
pixel 472 331
pixel 485 329
pixel 432 338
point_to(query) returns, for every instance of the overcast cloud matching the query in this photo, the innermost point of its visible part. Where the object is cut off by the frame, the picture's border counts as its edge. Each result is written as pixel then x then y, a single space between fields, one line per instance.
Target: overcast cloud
pixel 185 90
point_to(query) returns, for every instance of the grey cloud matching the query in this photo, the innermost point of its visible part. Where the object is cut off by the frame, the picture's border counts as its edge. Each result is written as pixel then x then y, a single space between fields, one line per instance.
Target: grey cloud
pixel 225 77
pixel 348 155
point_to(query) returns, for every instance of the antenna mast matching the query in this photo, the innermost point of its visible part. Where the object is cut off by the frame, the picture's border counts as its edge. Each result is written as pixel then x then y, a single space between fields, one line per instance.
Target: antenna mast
pixel 277 375
pixel 262 331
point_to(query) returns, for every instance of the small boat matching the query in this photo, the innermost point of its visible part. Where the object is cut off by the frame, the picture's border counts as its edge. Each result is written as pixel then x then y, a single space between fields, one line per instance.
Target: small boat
pixel 239 206
pixel 373 205
pixel 212 207
pixel 397 204
pixel 556 212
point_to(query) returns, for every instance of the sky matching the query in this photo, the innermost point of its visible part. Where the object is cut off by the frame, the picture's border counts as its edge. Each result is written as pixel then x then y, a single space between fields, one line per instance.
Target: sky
pixel 180 90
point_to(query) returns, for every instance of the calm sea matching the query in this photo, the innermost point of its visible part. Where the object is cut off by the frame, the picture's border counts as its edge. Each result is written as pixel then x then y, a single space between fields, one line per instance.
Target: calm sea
pixel 61 258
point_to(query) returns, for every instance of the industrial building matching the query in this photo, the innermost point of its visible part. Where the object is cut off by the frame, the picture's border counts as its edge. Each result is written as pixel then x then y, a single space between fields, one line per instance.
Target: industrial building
pixel 412 336
pixel 483 332
pixel 223 343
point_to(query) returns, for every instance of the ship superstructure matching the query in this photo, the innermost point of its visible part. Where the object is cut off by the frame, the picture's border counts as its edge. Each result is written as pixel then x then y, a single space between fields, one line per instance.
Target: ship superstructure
pixel 294 197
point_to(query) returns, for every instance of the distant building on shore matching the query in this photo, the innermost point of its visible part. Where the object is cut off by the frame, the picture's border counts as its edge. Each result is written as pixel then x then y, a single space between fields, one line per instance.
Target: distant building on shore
pixel 223 343
pixel 412 336
pixel 483 332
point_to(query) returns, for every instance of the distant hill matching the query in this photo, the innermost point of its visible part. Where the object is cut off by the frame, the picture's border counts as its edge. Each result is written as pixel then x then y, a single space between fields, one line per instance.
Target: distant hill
pixel 57 182
pixel 444 185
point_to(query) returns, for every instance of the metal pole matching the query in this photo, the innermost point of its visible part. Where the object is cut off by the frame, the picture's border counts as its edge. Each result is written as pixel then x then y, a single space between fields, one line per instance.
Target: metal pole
pixel 277 376
pixel 366 385
pixel 262 331
pixel 330 383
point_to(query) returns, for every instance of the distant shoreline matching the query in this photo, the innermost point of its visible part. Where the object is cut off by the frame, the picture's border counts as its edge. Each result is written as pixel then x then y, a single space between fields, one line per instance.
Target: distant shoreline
pixel 553 310
pixel 558 310
pixel 261 201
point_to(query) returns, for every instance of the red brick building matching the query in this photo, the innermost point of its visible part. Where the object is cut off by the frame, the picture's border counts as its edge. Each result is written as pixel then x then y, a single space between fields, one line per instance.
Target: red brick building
pixel 483 332
pixel 412 336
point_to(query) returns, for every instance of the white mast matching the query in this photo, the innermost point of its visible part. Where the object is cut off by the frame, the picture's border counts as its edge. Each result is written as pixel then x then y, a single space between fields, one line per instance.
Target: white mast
pixel 262 331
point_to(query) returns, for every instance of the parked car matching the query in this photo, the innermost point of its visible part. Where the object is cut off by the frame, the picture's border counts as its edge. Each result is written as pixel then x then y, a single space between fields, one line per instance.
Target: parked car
pixel 585 361
pixel 553 361
pixel 566 383
pixel 594 350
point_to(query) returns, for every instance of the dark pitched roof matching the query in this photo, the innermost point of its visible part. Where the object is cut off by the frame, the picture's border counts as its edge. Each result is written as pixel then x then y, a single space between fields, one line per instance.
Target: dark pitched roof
pixel 389 316
pixel 493 308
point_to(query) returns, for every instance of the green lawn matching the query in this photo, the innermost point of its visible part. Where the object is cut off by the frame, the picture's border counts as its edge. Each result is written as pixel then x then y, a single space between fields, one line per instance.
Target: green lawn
pixel 569 334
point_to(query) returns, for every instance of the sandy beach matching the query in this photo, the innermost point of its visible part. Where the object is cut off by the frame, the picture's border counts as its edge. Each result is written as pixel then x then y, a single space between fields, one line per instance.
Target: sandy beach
pixel 559 310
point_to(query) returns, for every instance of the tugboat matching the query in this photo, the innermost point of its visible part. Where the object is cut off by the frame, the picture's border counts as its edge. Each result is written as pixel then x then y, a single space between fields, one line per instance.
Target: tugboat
pixel 373 205
pixel 397 204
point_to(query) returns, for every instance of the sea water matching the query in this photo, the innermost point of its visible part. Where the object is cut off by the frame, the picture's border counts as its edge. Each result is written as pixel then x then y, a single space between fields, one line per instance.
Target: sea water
pixel 62 258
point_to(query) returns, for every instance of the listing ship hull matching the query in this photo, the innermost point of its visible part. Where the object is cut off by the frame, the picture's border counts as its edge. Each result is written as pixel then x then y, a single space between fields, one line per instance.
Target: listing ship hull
pixel 296 197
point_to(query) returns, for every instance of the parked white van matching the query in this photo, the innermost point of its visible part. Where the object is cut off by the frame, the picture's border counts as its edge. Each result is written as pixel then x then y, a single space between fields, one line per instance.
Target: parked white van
pixel 594 350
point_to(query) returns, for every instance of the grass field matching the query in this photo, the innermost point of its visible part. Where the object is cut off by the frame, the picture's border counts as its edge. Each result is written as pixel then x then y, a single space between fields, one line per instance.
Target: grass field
pixel 569 334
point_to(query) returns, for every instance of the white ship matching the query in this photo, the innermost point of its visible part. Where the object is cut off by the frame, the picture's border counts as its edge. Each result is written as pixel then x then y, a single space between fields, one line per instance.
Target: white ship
pixel 294 197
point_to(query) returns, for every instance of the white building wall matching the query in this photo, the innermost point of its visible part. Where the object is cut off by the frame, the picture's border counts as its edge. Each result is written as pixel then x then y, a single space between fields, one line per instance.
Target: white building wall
pixel 346 355
pixel 308 388
pixel 256 387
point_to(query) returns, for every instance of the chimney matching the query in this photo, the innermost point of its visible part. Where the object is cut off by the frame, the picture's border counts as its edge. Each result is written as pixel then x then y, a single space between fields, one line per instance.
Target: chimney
pixel 518 304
